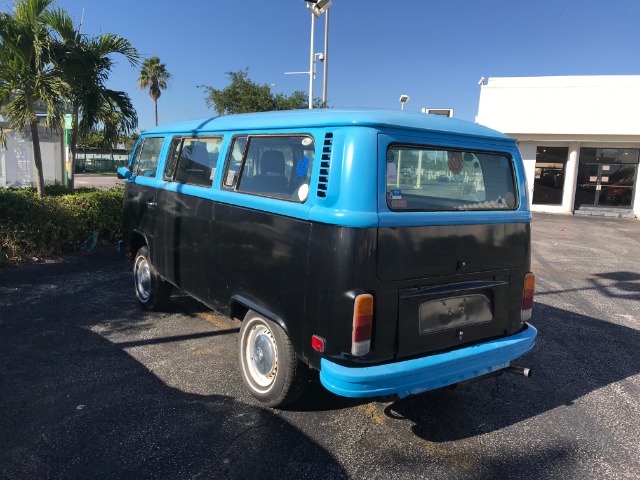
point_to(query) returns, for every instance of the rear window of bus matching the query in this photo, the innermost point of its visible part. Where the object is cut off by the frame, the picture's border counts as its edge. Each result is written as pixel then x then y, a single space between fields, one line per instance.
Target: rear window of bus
pixel 430 179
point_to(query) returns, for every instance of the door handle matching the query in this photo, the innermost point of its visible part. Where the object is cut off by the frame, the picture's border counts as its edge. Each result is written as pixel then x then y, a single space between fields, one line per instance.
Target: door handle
pixel 151 203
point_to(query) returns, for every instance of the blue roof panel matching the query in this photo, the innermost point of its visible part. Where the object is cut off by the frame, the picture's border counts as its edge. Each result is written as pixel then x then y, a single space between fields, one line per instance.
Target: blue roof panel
pixel 331 118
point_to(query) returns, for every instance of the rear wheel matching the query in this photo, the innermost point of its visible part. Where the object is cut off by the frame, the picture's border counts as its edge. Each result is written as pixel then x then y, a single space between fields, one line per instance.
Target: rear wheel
pixel 270 368
pixel 152 291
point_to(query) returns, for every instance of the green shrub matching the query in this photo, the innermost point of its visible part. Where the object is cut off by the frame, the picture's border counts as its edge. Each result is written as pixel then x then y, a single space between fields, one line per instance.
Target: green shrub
pixel 58 223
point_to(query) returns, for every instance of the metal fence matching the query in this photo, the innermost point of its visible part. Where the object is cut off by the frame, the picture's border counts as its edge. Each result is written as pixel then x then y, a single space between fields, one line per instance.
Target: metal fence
pixel 98 165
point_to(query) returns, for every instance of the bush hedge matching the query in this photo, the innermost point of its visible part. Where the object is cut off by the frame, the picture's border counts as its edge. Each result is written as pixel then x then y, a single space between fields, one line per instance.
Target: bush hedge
pixel 39 228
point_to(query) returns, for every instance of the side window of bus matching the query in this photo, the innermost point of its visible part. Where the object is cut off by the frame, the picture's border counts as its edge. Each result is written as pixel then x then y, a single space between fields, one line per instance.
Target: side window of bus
pixel 172 158
pixel 234 162
pixel 197 160
pixel 145 160
pixel 276 166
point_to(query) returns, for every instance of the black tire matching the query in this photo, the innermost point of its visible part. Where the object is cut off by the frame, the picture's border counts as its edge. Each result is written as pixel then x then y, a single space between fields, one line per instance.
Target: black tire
pixel 152 291
pixel 270 368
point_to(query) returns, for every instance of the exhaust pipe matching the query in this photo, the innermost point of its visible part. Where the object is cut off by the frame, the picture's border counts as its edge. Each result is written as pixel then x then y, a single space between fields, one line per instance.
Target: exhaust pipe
pixel 525 372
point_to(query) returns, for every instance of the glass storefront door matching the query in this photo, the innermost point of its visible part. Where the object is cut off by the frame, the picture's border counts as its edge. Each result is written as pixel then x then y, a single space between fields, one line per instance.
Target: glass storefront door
pixel 606 177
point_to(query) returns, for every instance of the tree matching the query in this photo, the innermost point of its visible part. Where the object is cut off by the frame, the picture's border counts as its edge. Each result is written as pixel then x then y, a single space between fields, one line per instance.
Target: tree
pixel 243 95
pixel 27 75
pixel 154 76
pixel 130 140
pixel 85 64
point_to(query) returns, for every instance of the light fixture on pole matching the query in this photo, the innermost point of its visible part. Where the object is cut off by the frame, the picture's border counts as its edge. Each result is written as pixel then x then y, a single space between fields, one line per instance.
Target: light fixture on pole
pixel 403 99
pixel 317 8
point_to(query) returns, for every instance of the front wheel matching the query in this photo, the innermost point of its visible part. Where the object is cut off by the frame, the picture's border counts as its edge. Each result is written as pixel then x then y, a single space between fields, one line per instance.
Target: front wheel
pixel 270 368
pixel 152 291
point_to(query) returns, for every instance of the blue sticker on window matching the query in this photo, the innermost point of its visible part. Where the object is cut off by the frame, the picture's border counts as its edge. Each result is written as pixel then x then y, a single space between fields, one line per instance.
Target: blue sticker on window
pixel 302 167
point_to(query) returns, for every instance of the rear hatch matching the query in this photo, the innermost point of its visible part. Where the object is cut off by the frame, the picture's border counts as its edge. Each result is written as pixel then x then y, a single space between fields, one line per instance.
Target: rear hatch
pixel 456 284
pixel 450 244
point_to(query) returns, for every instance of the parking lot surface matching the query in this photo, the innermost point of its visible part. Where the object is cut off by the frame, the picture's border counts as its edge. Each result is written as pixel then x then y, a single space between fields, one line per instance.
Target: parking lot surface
pixel 91 386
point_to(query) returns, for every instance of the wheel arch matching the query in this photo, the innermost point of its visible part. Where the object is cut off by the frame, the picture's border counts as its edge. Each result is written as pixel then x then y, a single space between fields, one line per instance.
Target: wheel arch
pixel 137 241
pixel 240 305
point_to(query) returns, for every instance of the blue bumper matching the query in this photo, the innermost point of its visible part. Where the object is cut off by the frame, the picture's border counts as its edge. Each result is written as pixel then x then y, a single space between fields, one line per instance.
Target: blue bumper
pixel 426 373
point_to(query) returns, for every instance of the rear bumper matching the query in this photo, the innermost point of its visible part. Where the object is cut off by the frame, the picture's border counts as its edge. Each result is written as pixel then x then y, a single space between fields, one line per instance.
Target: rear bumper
pixel 427 373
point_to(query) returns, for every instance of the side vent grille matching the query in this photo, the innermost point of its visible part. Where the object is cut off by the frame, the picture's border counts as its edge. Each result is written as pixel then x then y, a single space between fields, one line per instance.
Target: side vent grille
pixel 325 163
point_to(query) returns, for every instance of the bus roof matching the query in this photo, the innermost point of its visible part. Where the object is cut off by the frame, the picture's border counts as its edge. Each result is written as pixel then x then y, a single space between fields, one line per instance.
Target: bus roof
pixel 330 118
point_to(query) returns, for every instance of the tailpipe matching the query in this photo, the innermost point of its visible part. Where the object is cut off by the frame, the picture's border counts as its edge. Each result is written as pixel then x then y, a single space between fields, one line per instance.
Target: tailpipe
pixel 525 372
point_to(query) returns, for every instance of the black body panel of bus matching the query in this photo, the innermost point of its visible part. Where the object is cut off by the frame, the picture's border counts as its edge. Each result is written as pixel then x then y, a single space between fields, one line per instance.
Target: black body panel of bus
pixel 433 264
pixel 440 251
pixel 342 264
pixel 305 275
pixel 216 252
pixel 427 267
pixel 138 211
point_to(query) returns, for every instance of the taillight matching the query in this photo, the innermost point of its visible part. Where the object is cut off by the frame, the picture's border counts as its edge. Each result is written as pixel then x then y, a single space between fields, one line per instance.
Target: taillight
pixel 527 296
pixel 362 325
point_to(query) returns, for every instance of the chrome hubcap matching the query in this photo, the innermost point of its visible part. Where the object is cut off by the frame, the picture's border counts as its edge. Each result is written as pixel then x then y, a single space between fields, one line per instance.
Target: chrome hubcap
pixel 261 356
pixel 143 279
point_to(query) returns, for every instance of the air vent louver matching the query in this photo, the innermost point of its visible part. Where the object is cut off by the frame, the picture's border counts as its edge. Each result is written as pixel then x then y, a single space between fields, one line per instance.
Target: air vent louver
pixel 325 163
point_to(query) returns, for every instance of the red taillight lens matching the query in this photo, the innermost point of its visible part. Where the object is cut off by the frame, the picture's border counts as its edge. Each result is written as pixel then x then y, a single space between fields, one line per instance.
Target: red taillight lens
pixel 527 296
pixel 362 325
pixel 362 329
pixel 317 343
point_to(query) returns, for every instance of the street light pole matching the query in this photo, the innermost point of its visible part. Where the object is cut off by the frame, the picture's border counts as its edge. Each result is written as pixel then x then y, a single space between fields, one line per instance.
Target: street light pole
pixel 317 8
pixel 326 59
pixel 312 60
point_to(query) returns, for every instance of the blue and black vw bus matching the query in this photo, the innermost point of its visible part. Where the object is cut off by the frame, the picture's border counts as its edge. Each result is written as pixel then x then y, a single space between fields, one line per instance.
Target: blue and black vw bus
pixel 389 250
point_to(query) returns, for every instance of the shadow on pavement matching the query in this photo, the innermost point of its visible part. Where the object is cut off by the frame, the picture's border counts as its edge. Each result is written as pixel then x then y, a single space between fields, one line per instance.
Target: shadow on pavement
pixel 76 405
pixel 574 355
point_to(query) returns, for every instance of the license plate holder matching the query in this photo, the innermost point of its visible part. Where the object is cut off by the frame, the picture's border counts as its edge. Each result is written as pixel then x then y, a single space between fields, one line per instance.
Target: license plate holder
pixel 454 313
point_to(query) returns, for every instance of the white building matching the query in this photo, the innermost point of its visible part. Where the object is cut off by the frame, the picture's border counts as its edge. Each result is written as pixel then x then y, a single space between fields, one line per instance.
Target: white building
pixel 17 167
pixel 579 138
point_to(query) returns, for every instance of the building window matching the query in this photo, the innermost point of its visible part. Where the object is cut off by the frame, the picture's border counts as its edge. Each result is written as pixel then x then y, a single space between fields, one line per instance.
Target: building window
pixel 609 155
pixel 607 176
pixel 548 186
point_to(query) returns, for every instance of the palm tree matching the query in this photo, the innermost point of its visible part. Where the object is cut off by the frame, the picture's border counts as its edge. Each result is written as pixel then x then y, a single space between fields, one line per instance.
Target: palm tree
pixel 154 75
pixel 27 75
pixel 86 63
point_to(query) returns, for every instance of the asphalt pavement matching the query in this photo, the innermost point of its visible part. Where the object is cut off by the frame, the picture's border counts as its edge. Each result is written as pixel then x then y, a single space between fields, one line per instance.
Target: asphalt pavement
pixel 91 386
pixel 96 181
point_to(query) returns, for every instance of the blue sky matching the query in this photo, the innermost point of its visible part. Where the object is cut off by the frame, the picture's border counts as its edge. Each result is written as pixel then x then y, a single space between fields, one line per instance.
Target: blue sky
pixel 434 51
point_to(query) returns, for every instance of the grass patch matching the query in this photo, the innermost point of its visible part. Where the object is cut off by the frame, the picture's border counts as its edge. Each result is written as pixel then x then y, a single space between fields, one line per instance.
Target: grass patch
pixel 60 223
